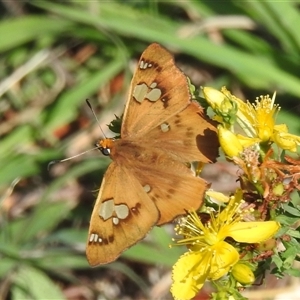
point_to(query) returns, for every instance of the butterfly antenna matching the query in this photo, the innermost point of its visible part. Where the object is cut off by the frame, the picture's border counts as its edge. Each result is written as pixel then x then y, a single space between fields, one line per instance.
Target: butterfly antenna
pixel 91 108
pixel 53 162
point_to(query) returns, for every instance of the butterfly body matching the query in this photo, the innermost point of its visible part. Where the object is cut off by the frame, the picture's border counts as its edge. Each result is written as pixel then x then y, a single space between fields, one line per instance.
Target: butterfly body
pixel 148 182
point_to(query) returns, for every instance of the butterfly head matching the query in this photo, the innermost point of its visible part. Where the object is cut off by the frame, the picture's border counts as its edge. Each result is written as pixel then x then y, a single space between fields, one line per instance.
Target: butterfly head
pixel 105 146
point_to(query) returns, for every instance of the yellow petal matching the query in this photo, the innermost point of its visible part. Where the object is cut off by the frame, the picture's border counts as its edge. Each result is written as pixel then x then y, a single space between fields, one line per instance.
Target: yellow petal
pixel 281 128
pixel 225 256
pixel 187 278
pixel 252 232
pixel 285 140
pixel 217 196
pixel 247 141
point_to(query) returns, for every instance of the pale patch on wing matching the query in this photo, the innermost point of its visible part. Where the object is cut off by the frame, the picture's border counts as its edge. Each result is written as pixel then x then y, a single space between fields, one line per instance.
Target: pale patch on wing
pixel 164 127
pixel 142 92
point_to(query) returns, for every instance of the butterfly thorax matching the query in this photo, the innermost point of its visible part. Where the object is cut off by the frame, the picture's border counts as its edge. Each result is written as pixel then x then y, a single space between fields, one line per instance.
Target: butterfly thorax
pixel 127 151
pixel 121 149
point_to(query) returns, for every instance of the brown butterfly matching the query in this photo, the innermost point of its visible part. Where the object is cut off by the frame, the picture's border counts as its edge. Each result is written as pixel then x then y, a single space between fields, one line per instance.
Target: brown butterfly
pixel 148 183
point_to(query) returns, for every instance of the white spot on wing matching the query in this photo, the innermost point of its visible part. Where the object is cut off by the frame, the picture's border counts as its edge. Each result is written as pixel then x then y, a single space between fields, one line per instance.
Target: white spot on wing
pixel 91 239
pixel 116 221
pixel 147 188
pixel 154 95
pixel 164 127
pixel 140 91
pixel 122 211
pixel 94 237
pixel 143 65
pixel 106 209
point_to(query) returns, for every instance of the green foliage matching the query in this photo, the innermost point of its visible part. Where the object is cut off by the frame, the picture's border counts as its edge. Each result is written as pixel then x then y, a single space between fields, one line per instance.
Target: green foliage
pixel 284 260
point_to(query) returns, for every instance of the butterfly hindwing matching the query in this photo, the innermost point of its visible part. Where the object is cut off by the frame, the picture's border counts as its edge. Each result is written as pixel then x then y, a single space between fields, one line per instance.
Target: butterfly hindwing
pixel 171 185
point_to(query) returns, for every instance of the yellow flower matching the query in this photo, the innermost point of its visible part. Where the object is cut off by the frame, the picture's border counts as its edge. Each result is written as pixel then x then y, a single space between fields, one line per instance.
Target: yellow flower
pixel 257 120
pixel 209 256
pixel 262 115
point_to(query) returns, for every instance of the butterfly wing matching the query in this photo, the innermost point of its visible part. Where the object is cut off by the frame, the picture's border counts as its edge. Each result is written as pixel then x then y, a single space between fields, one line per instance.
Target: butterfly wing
pixel 122 215
pixel 158 91
pixel 187 136
pixel 172 186
pixel 159 111
pixel 168 183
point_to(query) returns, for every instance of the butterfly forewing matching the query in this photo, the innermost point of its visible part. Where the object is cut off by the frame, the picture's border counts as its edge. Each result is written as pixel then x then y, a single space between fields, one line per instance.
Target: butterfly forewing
pixel 122 215
pixel 158 91
pixel 187 136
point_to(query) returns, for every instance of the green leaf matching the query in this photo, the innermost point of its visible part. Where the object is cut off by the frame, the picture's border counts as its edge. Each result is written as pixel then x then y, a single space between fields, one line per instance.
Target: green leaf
pixel 276 259
pixel 286 220
pixel 292 210
pixel 84 167
pixel 283 25
pixel 17 166
pixel 10 251
pixel 44 218
pixel 129 22
pixel 65 109
pixel 157 252
pixel 69 236
pixel 293 233
pixel 131 274
pixel 17 31
pixel 7 265
pixel 293 272
pixel 62 258
pixel 30 283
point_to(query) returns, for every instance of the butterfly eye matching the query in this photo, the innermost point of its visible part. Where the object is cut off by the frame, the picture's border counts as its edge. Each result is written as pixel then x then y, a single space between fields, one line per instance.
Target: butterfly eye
pixel 105 151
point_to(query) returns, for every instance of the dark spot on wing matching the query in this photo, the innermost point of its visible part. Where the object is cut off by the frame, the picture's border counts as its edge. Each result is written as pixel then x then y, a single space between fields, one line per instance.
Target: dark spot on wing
pixel 136 209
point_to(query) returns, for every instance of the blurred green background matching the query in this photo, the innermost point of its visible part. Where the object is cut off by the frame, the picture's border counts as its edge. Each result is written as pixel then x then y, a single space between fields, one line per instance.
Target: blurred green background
pixel 56 54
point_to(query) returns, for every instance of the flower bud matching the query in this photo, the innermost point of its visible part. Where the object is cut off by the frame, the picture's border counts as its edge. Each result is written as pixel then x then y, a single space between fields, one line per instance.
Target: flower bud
pixel 213 97
pixel 223 106
pixel 229 142
pixel 243 274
